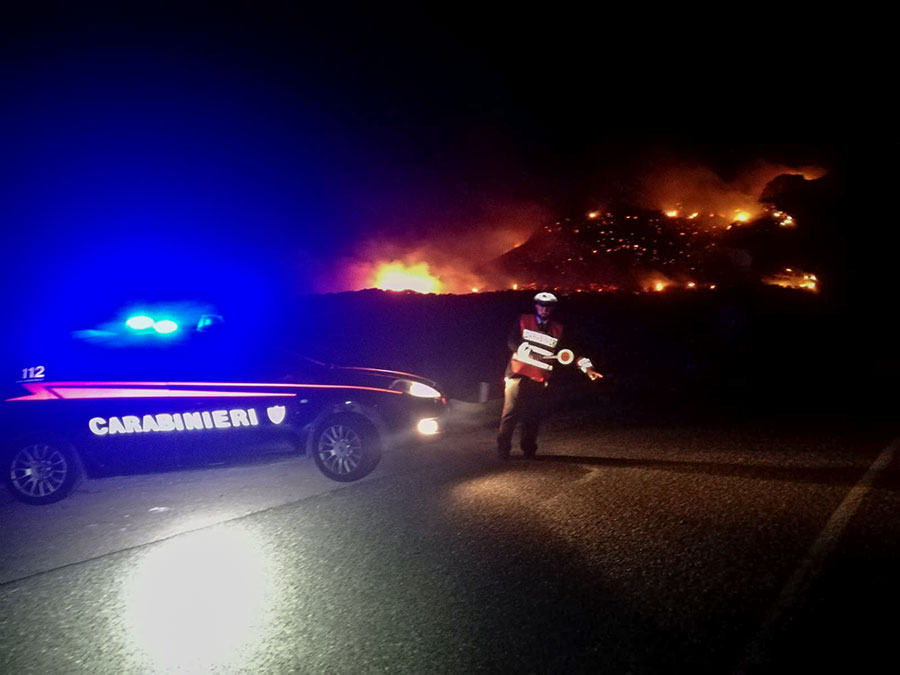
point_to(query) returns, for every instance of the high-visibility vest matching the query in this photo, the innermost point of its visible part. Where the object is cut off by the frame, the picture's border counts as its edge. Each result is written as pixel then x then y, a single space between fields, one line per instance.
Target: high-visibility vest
pixel 547 340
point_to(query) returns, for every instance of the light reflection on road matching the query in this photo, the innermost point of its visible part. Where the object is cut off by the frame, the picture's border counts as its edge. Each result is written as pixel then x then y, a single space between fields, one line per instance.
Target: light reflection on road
pixel 199 601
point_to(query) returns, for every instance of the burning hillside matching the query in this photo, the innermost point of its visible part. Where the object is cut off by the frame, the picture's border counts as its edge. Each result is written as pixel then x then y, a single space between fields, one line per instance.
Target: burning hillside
pixel 639 250
pixel 714 233
pixel 644 250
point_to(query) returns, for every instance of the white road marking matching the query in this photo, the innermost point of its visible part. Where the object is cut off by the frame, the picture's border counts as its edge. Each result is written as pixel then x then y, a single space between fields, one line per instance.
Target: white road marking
pixel 812 563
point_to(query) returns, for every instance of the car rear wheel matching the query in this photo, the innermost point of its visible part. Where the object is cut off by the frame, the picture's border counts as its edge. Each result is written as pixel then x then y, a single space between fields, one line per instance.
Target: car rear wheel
pixel 346 448
pixel 42 471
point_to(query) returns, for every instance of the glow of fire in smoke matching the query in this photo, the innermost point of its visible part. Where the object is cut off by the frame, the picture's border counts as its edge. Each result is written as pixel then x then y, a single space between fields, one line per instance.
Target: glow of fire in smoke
pixel 443 255
pixel 395 276
pixel 679 188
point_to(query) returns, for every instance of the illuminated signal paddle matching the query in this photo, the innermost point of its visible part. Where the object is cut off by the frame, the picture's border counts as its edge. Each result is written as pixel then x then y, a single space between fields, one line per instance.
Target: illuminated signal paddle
pixel 528 353
pixel 565 356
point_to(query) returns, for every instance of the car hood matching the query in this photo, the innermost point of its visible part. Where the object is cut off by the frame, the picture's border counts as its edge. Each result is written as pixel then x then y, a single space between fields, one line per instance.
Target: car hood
pixel 375 377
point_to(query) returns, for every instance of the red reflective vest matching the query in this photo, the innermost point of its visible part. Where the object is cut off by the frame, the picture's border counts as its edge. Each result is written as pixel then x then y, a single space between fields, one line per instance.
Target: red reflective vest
pixel 547 339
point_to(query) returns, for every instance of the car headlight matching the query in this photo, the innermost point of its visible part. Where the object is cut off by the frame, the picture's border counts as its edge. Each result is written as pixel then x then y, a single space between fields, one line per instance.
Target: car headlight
pixel 428 426
pixel 417 389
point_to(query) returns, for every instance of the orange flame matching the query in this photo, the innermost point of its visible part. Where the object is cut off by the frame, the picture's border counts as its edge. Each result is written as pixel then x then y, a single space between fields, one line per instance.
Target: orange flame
pixel 396 276
pixel 791 278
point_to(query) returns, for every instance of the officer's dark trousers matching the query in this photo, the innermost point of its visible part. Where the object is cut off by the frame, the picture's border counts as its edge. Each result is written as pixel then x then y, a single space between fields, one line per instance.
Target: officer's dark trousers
pixel 523 404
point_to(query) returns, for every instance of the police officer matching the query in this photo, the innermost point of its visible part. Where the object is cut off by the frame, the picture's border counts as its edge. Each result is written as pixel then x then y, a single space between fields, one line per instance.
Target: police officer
pixel 535 342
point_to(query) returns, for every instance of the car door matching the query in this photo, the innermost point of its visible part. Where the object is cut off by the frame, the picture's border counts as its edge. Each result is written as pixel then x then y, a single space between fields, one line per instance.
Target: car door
pixel 115 407
pixel 234 407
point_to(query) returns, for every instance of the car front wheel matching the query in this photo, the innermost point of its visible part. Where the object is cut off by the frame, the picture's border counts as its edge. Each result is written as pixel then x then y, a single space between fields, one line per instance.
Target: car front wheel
pixel 42 471
pixel 346 447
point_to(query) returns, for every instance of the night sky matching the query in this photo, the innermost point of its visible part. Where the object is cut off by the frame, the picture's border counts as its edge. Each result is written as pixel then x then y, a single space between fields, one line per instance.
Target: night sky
pixel 252 151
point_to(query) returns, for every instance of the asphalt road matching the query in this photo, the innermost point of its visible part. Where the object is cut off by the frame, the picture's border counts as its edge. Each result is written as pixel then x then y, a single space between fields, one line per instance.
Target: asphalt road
pixel 622 549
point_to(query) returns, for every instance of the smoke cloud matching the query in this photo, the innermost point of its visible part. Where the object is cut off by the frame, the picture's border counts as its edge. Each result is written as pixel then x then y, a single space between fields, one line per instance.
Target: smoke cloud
pixel 695 188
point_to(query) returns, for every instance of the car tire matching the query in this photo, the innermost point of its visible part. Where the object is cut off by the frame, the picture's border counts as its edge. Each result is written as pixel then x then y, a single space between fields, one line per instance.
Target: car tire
pixel 346 447
pixel 41 470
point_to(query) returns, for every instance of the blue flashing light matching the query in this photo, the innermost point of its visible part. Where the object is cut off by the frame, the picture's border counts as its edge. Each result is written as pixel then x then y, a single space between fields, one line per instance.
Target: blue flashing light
pixel 165 326
pixel 140 322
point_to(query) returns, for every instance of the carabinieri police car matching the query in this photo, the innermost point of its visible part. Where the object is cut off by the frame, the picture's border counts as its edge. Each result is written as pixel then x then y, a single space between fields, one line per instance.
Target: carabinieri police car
pixel 155 396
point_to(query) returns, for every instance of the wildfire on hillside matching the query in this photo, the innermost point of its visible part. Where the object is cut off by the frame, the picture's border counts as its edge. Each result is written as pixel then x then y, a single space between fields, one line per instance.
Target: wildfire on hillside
pixel 663 250
pixel 691 234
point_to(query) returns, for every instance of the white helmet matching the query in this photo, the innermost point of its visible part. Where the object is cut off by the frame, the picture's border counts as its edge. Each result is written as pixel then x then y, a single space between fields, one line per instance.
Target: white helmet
pixel 545 298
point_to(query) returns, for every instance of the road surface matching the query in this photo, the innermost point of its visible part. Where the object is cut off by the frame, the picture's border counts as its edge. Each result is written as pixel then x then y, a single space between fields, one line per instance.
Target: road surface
pixel 622 549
